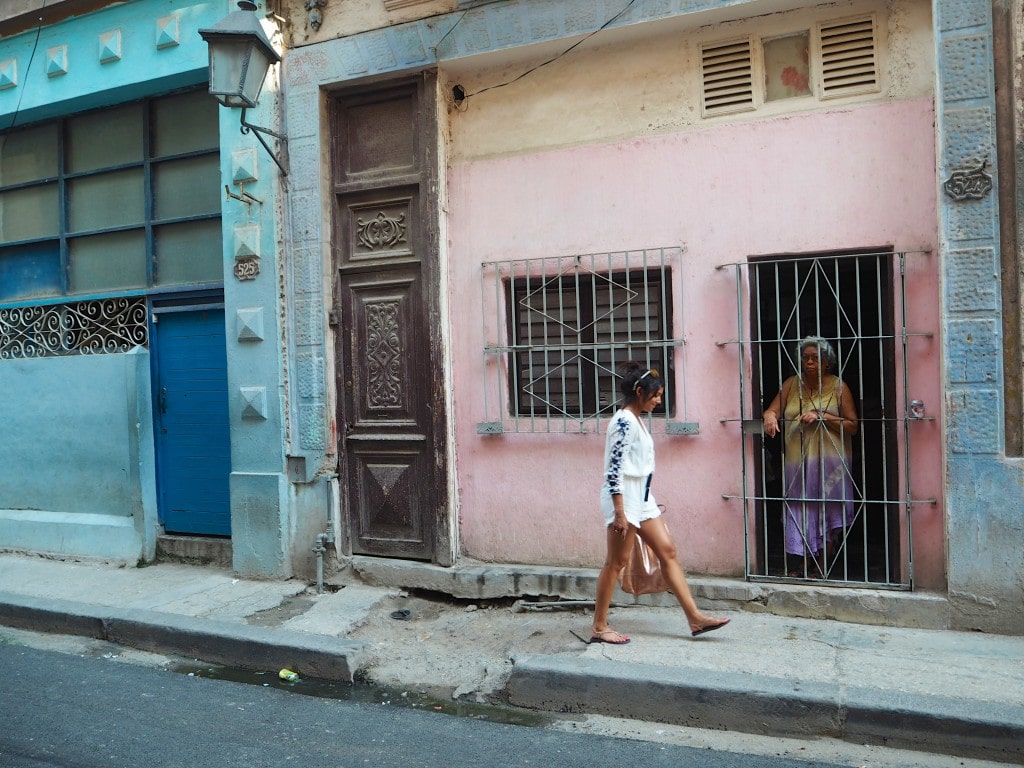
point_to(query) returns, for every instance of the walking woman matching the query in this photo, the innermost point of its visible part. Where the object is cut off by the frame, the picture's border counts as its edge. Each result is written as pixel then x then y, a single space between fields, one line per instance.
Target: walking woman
pixel 629 507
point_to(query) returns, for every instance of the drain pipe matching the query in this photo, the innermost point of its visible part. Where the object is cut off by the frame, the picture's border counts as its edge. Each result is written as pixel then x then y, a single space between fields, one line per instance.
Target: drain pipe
pixel 319 548
pixel 327 537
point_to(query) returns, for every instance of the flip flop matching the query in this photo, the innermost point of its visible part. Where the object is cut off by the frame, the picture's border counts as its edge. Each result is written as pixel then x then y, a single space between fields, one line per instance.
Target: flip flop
pixel 601 637
pixel 709 627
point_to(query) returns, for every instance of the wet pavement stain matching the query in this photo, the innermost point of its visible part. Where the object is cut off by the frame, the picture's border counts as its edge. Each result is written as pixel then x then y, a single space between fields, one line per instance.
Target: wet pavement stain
pixel 372 694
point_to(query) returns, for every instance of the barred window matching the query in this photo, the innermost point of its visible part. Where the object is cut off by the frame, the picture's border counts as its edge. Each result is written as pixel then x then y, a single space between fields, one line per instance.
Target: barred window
pixel 568 323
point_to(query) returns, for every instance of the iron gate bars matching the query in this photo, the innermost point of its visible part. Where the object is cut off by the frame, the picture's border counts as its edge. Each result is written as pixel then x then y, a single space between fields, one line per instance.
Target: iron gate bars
pixel 820 502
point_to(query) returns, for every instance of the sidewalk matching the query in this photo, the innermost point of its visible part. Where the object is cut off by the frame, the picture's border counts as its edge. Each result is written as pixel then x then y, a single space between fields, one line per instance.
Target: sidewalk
pixel 953 693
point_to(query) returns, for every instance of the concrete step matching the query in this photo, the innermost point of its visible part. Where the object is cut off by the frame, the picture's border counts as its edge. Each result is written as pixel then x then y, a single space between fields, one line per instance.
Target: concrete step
pixel 476 581
pixel 194 550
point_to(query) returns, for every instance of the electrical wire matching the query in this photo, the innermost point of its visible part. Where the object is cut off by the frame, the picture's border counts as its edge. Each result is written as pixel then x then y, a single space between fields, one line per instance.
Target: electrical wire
pixel 553 58
pixel 472 7
pixel 28 68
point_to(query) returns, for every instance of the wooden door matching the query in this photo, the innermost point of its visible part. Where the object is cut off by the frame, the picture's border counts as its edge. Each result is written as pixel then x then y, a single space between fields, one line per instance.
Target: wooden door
pixel 392 453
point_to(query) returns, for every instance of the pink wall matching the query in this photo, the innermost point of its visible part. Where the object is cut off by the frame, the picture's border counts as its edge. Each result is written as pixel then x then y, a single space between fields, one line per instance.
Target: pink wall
pixel 851 178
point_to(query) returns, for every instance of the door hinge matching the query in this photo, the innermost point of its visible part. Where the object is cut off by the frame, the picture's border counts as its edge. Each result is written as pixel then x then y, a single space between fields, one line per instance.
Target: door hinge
pixel 334 317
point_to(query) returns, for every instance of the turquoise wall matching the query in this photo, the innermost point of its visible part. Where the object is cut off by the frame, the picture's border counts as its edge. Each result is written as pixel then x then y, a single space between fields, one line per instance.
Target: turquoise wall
pixel 84 484
pixel 59 71
pixel 81 479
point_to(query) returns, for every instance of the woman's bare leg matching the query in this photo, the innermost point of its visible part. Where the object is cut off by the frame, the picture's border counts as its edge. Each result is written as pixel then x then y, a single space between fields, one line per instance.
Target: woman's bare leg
pixel 656 534
pixel 615 559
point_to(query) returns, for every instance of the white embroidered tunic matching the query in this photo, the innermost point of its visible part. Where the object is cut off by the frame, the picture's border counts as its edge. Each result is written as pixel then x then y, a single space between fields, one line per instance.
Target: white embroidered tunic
pixel 628 463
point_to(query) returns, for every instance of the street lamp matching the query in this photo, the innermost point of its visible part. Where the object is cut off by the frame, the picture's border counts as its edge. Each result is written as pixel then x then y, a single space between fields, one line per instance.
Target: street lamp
pixel 240 55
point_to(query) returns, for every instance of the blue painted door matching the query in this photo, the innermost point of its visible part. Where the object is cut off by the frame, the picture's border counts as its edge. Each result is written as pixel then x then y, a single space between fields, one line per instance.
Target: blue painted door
pixel 193 442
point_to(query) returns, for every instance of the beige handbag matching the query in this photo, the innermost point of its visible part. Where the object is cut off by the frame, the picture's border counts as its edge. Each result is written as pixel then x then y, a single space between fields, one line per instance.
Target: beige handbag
pixel 642 573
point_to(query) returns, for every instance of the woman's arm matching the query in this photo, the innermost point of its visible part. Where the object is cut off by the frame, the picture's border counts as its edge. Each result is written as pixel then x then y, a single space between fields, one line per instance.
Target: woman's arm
pixel 621 438
pixel 846 420
pixel 773 413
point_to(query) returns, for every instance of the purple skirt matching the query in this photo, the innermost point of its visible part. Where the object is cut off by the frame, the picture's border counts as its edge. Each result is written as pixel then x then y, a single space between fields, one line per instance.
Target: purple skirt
pixel 819 499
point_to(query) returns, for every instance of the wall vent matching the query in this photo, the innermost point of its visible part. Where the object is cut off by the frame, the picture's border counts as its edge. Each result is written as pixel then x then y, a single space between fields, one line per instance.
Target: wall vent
pixel 849 62
pixel 727 77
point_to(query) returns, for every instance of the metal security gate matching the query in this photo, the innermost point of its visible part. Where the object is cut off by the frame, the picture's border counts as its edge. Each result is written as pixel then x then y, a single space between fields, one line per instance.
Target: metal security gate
pixel 827 499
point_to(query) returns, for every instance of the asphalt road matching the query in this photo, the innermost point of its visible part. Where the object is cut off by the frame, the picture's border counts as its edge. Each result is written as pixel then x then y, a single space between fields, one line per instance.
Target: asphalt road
pixel 80 712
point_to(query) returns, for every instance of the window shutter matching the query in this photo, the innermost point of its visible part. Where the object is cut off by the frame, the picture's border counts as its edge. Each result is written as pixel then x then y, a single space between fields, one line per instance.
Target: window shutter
pixel 727 77
pixel 849 62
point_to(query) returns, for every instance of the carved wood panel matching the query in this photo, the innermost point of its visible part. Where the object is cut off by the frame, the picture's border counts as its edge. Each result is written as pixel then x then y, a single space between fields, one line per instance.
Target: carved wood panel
pixel 391 430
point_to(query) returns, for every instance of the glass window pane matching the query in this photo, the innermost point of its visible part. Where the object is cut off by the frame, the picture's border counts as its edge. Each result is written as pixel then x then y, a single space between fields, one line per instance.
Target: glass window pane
pixel 189 187
pixel 107 200
pixel 108 262
pixel 189 252
pixel 185 123
pixel 30 271
pixel 786 69
pixel 28 155
pixel 106 138
pixel 26 214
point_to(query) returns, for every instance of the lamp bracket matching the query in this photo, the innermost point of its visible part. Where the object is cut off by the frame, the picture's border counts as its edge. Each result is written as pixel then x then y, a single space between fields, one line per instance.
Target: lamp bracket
pixel 282 161
pixel 244 196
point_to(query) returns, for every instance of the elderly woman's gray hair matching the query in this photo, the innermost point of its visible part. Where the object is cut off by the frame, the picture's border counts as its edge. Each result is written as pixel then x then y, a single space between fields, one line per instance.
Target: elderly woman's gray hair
pixel 826 355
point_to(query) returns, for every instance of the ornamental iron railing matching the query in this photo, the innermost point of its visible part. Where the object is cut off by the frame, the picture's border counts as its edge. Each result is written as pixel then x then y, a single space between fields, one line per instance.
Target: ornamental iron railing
pixel 78 328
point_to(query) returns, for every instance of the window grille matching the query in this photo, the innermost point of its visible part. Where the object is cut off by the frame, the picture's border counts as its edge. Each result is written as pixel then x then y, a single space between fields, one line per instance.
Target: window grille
pixel 557 328
pixel 84 327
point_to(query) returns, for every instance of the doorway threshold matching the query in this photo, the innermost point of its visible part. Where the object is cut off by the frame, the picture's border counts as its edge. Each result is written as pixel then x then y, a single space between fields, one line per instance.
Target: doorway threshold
pixel 194 550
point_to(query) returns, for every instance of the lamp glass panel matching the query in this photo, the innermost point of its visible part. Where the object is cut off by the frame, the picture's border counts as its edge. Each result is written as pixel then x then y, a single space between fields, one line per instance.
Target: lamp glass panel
pixel 256 73
pixel 227 65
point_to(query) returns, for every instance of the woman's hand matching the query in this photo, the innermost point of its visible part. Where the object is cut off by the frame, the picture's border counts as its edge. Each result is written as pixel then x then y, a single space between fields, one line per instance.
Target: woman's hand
pixel 620 525
pixel 771 423
pixel 811 416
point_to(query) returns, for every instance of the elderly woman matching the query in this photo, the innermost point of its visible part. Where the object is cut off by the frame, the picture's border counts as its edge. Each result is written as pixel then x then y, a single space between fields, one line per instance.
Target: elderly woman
pixel 816 413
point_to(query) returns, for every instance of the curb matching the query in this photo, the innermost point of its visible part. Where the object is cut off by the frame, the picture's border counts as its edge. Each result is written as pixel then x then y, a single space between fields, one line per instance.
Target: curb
pixel 757 704
pixel 219 642
pixel 482 581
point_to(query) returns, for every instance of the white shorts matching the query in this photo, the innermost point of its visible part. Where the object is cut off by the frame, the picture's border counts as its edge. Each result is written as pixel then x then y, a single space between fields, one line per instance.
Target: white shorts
pixel 637 510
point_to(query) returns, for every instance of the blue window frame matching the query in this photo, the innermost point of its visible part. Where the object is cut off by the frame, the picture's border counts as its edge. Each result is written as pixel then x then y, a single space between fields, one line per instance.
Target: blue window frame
pixel 122 200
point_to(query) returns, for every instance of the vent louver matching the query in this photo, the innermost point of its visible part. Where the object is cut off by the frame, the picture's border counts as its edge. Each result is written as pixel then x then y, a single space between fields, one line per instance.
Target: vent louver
pixel 727 77
pixel 848 57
